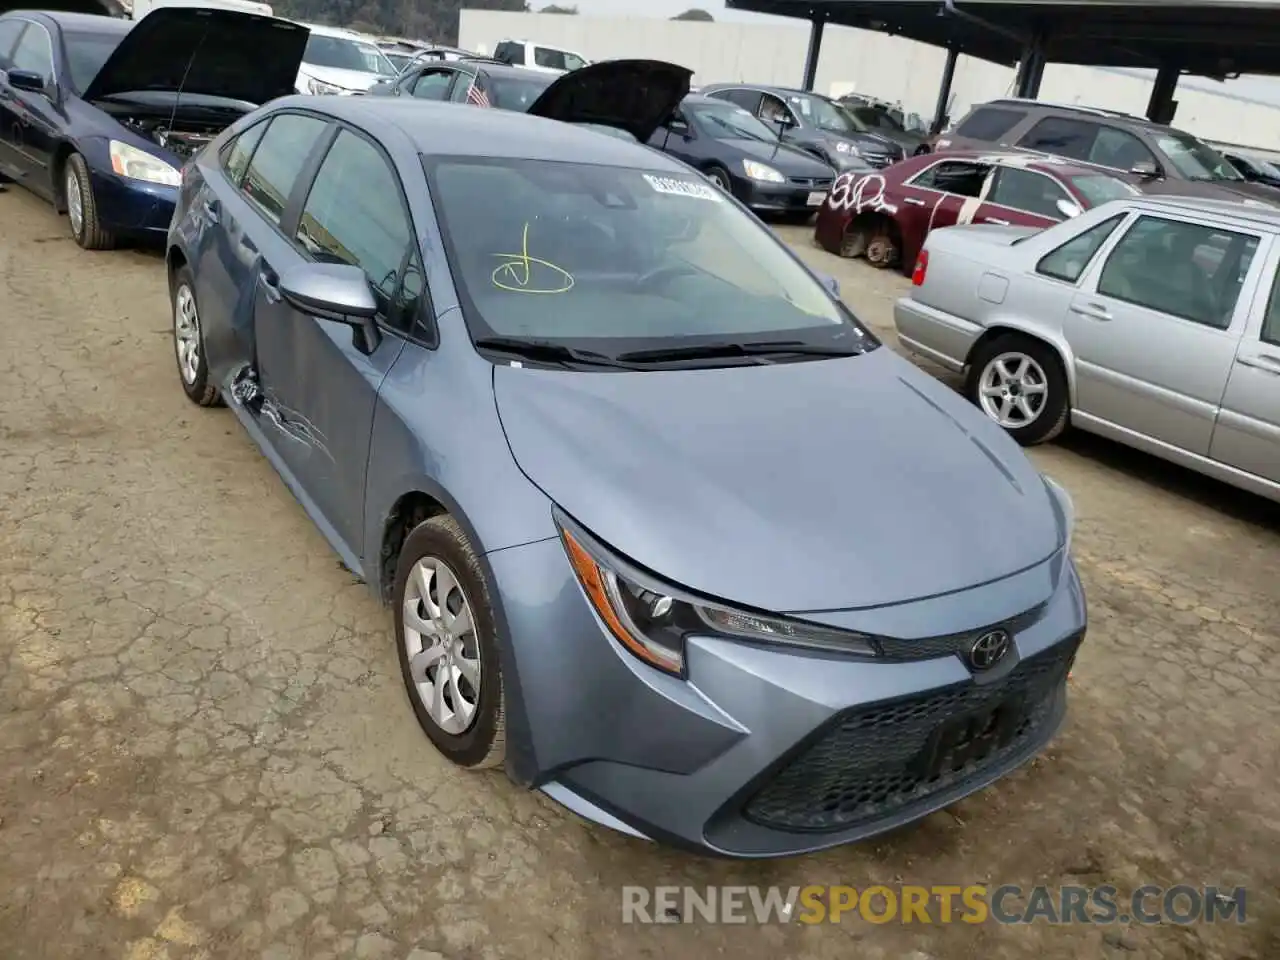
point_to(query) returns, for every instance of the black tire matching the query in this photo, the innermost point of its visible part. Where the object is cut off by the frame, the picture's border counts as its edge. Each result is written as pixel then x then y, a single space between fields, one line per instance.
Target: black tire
pixel 483 744
pixel 90 234
pixel 1055 411
pixel 197 387
pixel 720 177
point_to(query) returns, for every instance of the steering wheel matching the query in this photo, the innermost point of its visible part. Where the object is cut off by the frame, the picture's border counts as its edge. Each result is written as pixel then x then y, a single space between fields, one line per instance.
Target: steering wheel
pixel 664 274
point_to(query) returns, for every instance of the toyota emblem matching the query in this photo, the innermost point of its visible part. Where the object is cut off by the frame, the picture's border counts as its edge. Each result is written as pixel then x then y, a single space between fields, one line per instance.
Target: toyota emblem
pixel 989 649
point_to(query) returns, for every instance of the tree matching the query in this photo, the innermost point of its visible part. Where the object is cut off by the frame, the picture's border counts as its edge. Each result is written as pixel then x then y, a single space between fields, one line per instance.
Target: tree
pixel 556 8
pixel 695 14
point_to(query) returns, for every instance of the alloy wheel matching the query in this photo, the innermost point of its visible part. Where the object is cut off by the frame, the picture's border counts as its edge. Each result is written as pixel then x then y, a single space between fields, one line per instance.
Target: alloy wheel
pixel 186 334
pixel 75 202
pixel 441 645
pixel 1012 390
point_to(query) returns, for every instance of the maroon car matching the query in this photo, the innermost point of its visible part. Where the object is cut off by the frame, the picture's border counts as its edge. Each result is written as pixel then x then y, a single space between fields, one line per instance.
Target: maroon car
pixel 885 215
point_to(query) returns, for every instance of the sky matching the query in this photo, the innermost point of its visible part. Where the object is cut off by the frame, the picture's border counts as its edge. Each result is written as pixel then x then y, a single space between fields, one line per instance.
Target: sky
pixel 1265 89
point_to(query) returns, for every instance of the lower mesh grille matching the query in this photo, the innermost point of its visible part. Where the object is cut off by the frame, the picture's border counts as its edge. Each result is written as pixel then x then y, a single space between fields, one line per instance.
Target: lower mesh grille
pixel 873 761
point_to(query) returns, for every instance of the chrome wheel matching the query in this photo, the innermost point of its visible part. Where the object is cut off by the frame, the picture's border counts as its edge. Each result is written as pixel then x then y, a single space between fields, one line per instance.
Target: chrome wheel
pixel 718 178
pixel 75 201
pixel 186 333
pixel 441 646
pixel 1012 390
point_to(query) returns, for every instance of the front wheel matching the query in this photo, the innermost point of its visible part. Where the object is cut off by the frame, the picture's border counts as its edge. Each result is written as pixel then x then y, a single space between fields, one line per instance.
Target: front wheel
pixel 720 177
pixel 1020 383
pixel 447 640
pixel 82 206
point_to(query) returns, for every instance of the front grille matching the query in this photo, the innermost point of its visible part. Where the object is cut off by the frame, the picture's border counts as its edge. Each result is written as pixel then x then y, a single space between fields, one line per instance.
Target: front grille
pixel 818 183
pixel 930 648
pixel 873 761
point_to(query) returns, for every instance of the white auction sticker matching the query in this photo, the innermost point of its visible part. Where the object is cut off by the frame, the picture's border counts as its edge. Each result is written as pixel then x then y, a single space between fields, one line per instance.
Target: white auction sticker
pixel 684 188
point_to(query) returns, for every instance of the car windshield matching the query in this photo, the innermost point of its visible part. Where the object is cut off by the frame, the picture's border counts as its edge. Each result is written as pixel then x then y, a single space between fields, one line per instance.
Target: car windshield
pixel 1195 160
pixel 616 260
pixel 1098 188
pixel 87 52
pixel 822 113
pixel 343 53
pixel 728 121
pixel 518 93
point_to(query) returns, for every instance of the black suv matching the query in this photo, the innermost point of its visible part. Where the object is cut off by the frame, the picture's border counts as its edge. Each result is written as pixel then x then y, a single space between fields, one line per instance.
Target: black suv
pixel 1162 159
pixel 813 123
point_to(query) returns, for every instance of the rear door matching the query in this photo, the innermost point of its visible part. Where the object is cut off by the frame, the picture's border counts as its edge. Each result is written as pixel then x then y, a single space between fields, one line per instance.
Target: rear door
pixel 1061 137
pixel 1247 434
pixel 944 194
pixel 1155 329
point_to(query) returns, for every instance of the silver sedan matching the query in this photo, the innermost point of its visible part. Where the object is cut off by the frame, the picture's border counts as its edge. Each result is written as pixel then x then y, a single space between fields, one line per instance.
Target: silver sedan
pixel 1152 321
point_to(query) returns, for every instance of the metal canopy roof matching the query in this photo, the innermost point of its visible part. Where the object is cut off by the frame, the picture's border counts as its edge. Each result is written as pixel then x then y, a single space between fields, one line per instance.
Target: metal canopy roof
pixel 1210 37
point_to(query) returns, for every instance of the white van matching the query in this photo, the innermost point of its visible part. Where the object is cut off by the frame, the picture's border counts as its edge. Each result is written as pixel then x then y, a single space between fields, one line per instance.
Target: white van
pixel 538 56
pixel 142 7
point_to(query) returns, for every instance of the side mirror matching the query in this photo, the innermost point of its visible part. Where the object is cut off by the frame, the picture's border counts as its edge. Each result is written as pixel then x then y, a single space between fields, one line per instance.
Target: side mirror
pixel 1067 208
pixel 830 282
pixel 334 291
pixel 1146 169
pixel 27 80
pixel 680 128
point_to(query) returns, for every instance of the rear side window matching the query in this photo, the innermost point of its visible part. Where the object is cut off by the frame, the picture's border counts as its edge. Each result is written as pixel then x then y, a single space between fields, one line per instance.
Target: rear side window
pixel 1062 137
pixel 961 177
pixel 235 158
pixel 989 123
pixel 1119 149
pixel 746 99
pixel 1025 190
pixel 510 52
pixel 9 30
pixel 280 157
pixel 1069 260
pixel 433 85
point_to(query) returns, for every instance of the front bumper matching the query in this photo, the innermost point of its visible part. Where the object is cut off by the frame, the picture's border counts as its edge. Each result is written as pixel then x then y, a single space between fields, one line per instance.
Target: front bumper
pixel 763 751
pixel 133 206
pixel 795 196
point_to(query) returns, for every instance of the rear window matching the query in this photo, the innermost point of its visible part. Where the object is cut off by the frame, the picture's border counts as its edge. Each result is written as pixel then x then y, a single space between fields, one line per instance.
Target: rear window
pixel 989 123
pixel 516 93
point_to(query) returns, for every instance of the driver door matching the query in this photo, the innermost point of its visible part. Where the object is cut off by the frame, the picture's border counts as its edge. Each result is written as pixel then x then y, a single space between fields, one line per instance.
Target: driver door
pixel 30 120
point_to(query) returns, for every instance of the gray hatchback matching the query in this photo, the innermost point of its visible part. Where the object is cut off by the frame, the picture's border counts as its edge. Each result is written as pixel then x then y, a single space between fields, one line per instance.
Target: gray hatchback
pixel 664 530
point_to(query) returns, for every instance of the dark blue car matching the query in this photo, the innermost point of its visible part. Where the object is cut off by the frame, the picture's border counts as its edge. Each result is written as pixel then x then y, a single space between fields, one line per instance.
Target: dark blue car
pixel 98 115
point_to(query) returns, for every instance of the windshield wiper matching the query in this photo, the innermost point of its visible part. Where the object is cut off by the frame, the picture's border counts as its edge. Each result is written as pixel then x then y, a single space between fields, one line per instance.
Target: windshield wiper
pixel 547 351
pixel 754 349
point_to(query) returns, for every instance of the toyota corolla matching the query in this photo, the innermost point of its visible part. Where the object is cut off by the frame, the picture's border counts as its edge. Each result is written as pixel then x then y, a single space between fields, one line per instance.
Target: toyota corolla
pixel 664 530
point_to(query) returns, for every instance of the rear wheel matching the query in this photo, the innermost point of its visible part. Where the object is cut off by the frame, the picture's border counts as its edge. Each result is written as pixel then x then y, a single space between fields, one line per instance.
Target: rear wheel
pixel 188 343
pixel 82 208
pixel 1019 383
pixel 882 248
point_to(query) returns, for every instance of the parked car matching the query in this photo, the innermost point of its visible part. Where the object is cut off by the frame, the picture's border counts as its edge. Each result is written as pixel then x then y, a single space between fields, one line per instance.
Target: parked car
pixel 811 123
pixel 538 56
pixel 341 62
pixel 886 216
pixel 400 52
pixel 478 81
pixel 524 394
pixel 1152 321
pixel 98 114
pixel 877 117
pixel 1166 161
pixel 742 156
pixel 1255 169
pixel 425 58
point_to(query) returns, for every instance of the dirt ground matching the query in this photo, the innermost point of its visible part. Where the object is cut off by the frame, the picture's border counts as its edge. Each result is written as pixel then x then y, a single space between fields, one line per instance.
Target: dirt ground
pixel 206 752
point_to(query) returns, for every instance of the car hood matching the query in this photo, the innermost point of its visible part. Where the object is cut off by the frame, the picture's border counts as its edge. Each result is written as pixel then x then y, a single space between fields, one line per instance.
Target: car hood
pixel 1215 190
pixel 346 79
pixel 864 141
pixel 219 53
pixel 637 96
pixel 789 161
pixel 791 487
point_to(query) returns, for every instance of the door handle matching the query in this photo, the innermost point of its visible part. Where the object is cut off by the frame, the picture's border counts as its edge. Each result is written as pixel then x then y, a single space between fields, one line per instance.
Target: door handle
pixel 210 208
pixel 270 281
pixel 1003 223
pixel 1094 311
pixel 1261 361
pixel 913 201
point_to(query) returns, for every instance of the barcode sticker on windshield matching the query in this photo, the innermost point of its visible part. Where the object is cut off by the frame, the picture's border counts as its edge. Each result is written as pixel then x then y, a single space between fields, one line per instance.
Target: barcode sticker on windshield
pixel 684 188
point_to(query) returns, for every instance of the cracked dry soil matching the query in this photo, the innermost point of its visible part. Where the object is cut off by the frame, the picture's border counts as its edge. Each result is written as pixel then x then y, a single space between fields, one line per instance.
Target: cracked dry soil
pixel 205 750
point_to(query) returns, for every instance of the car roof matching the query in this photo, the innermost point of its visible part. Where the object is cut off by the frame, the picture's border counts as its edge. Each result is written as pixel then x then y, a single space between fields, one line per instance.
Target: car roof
pixel 1255 214
pixel 496 68
pixel 1083 110
pixel 84 22
pixel 454 129
pixel 1015 158
pixel 323 31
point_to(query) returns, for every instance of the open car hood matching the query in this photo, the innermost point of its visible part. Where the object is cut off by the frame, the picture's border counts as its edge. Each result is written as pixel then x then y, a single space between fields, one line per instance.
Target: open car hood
pixel 218 53
pixel 637 96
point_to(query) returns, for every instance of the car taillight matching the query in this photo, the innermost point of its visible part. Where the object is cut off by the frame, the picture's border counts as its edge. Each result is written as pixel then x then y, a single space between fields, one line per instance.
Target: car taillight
pixel 922 267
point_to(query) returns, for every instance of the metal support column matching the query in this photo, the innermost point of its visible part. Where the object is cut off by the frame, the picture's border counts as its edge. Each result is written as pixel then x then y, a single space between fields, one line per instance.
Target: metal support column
pixel 815 48
pixel 1031 69
pixel 1161 107
pixel 944 91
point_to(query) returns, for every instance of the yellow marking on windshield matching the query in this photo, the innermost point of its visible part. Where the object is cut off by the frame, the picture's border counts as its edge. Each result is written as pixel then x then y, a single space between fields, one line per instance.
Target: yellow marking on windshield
pixel 517 274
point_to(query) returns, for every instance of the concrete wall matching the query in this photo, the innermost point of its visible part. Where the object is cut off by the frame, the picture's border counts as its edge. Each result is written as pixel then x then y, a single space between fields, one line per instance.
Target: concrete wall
pixel 887 67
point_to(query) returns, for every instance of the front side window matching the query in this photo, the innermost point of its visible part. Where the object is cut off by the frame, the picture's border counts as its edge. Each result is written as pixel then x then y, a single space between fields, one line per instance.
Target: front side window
pixel 1271 322
pixel 1184 269
pixel 354 214
pixel 550 58
pixel 280 157
pixel 1068 261
pixel 989 124
pixel 821 113
pixel 1119 150
pixel 1195 160
pixel 573 62
pixel 235 159
pixel 34 53
pixel 961 177
pixel 433 85
pixel 727 121
pixel 1062 137
pixel 1024 190
pixel 620 260
pixel 773 110
pixel 510 52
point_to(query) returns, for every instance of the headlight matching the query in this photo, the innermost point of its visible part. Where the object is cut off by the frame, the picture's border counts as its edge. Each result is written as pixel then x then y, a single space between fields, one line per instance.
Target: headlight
pixel 760 171
pixel 319 87
pixel 1066 507
pixel 652 620
pixel 137 164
